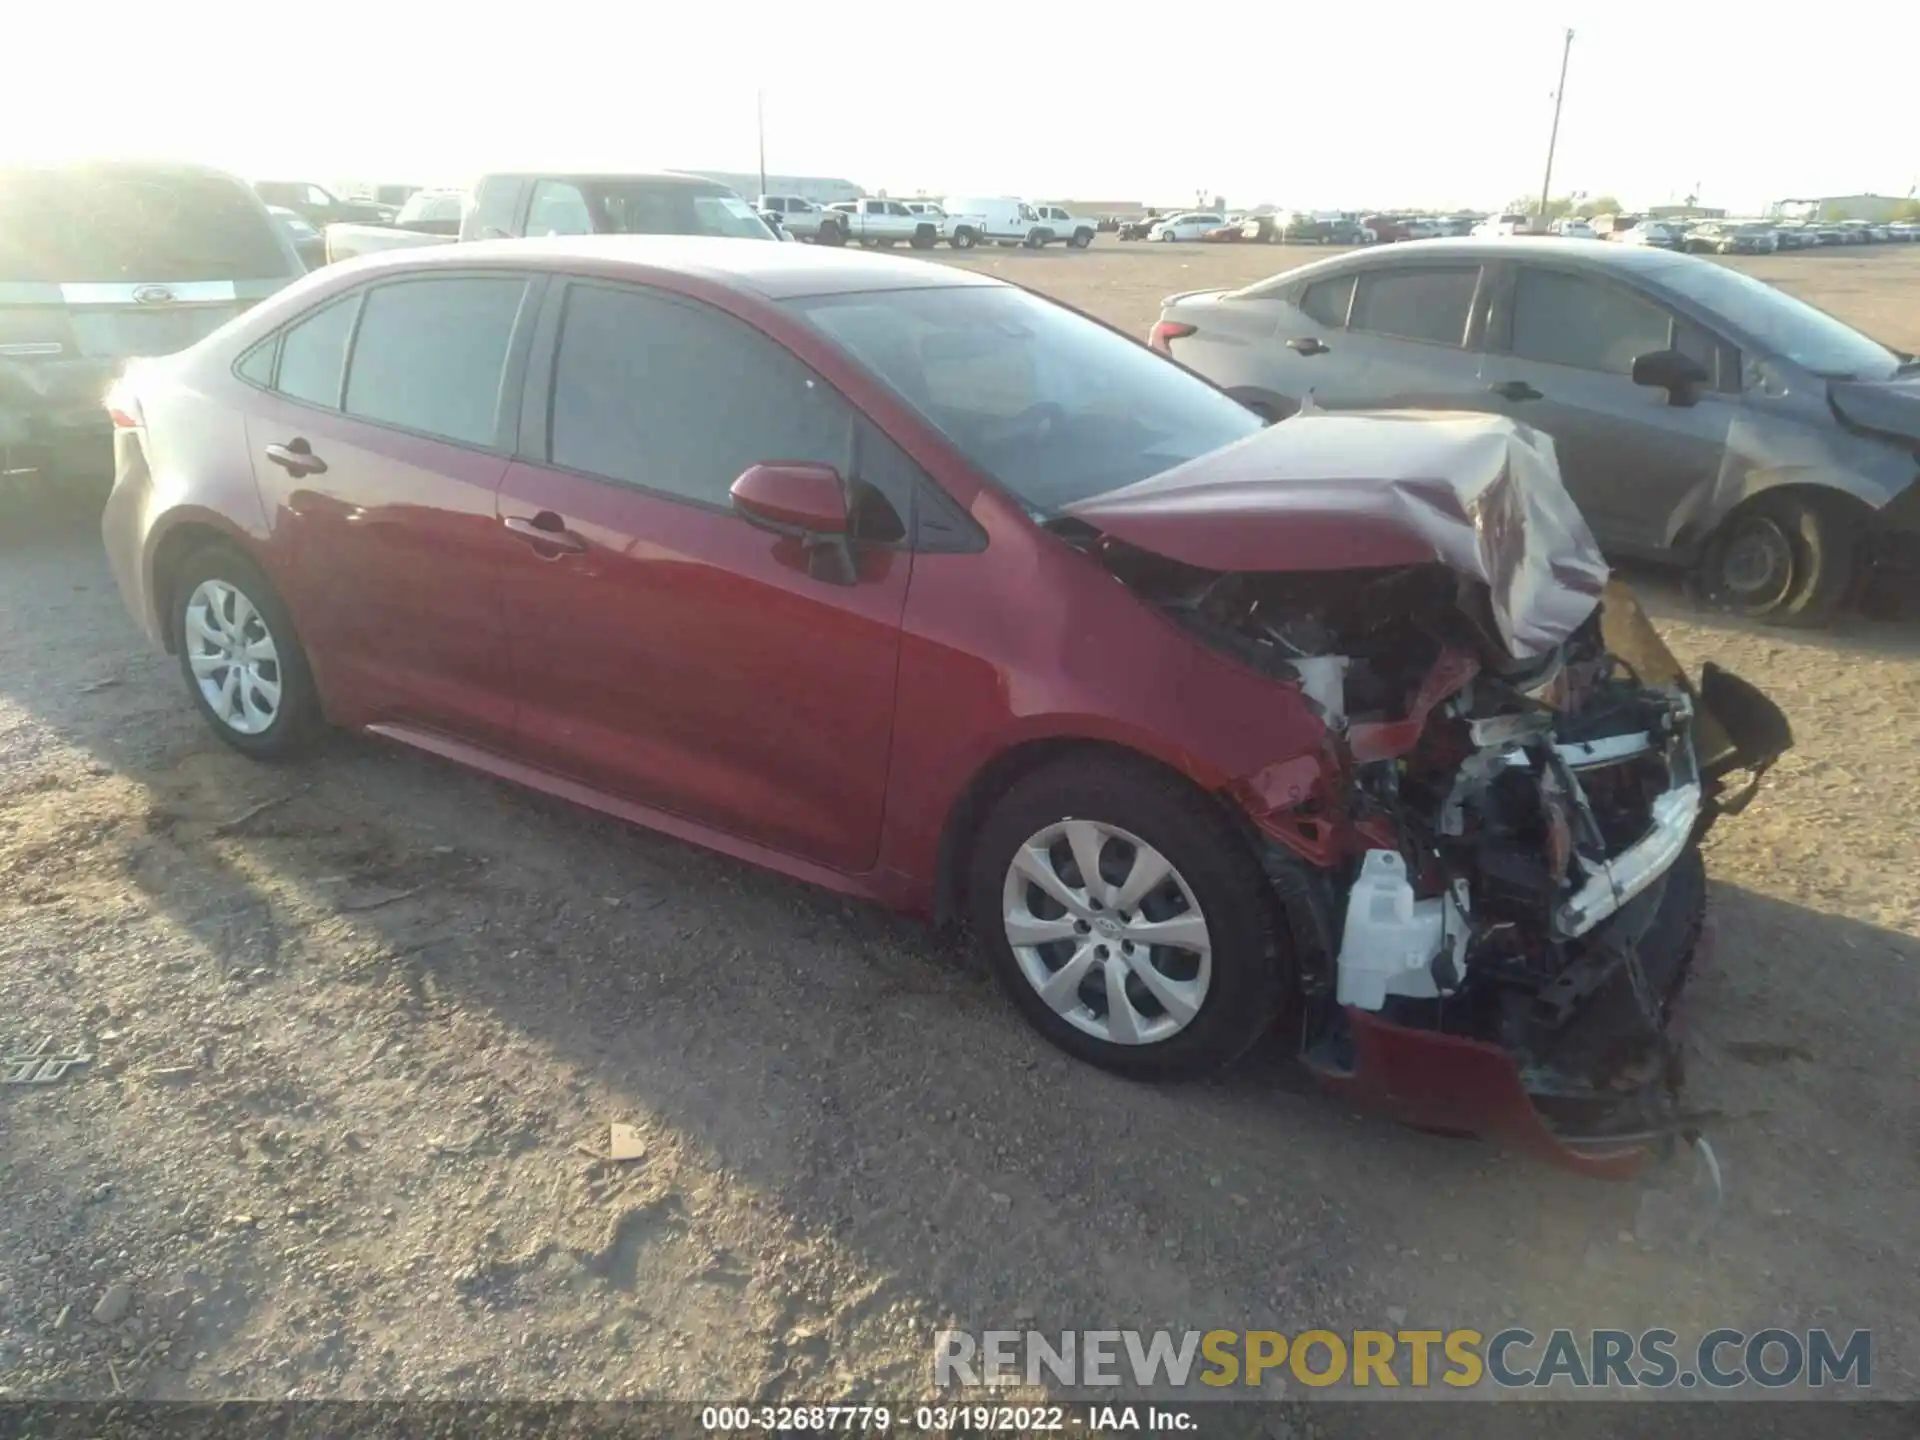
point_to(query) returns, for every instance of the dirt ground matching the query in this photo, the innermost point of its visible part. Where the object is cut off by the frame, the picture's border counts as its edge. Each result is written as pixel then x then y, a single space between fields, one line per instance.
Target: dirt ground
pixel 358 1027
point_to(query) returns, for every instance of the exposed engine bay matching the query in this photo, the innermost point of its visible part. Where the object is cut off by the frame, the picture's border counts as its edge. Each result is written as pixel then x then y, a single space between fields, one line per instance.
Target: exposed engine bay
pixel 1518 864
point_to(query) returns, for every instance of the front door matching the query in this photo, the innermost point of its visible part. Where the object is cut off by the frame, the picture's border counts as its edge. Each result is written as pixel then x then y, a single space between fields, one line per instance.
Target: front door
pixel 1631 458
pixel 667 650
pixel 383 464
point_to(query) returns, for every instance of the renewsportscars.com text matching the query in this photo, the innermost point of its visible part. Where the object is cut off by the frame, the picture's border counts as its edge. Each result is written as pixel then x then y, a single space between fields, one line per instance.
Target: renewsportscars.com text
pixel 1512 1358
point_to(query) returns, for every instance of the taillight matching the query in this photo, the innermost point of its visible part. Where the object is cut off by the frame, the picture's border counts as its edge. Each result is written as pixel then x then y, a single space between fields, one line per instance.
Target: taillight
pixel 1167 331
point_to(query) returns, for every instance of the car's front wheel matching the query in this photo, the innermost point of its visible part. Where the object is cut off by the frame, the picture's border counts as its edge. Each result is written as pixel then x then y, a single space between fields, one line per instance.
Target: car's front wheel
pixel 1126 920
pixel 241 656
pixel 1789 559
pixel 964 239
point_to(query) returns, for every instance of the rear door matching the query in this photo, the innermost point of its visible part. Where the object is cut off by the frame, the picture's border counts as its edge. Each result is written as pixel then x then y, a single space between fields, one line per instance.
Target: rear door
pixel 1561 358
pixel 668 651
pixel 1380 337
pixel 379 444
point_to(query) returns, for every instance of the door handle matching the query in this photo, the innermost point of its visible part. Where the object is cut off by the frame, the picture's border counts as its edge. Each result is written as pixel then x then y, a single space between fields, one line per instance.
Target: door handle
pixel 1515 390
pixel 546 531
pixel 1308 345
pixel 296 457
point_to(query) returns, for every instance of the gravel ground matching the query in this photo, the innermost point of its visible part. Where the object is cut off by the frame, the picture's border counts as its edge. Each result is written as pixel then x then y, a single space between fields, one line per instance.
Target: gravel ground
pixel 358 1027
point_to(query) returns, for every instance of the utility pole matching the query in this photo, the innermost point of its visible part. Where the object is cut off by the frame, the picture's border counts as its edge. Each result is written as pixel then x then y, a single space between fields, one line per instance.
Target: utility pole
pixel 760 118
pixel 1553 137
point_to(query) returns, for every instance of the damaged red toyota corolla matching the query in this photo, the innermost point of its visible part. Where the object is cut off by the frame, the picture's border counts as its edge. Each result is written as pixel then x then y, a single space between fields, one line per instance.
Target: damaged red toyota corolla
pixel 919 586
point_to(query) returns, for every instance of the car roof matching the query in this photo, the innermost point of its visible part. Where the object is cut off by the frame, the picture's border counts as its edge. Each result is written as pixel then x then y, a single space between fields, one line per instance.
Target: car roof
pixel 773 271
pixel 1536 247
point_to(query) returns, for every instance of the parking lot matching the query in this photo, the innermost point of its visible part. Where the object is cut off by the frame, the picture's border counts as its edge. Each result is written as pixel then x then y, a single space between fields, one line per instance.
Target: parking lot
pixel 358 1026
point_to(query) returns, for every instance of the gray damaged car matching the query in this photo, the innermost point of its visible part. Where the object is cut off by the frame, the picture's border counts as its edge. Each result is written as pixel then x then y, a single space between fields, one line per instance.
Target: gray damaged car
pixel 1701 417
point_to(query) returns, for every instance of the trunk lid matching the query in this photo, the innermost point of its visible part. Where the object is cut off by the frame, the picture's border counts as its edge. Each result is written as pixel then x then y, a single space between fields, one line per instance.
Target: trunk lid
pixel 1323 492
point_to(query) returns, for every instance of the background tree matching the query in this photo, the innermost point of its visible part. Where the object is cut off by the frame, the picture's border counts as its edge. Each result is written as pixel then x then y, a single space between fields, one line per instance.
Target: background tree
pixel 1600 205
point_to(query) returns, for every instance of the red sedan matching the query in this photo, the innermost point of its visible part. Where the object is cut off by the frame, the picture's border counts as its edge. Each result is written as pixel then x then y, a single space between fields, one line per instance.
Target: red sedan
pixel 916 585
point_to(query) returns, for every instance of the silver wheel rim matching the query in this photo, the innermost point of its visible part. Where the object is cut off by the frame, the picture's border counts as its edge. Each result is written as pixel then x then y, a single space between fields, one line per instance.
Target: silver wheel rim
pixel 1107 932
pixel 233 657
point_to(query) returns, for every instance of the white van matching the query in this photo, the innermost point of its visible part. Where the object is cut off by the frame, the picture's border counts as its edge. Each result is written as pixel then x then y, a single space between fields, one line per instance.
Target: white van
pixel 999 219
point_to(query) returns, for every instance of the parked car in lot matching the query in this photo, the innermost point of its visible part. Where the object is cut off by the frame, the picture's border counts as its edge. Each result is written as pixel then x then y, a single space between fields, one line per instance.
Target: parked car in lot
pixel 319 205
pixel 1495 226
pixel 1574 228
pixel 508 206
pixel 804 220
pixel 1187 225
pixel 992 220
pixel 1659 234
pixel 875 222
pixel 1063 224
pixel 1905 230
pixel 1793 235
pixel 799 553
pixel 308 243
pixel 1731 237
pixel 1701 417
pixel 101 263
pixel 1300 227
pixel 427 217
pixel 1140 229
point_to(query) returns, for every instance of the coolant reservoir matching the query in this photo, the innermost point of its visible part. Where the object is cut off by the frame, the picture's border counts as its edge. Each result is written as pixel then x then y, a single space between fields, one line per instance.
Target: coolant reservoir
pixel 1391 937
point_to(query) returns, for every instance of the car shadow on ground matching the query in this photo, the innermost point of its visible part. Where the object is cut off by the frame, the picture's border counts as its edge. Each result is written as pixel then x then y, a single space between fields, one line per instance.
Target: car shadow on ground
pixel 373 1015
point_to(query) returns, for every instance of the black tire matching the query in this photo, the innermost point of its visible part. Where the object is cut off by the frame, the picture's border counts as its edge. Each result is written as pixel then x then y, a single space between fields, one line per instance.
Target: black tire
pixel 296 719
pixel 922 241
pixel 1080 239
pixel 964 239
pixel 1788 559
pixel 1247 978
pixel 833 235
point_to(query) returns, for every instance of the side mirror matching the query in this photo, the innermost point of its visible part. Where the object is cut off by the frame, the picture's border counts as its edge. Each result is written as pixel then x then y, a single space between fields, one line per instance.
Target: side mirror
pixel 793 498
pixel 1673 371
pixel 803 502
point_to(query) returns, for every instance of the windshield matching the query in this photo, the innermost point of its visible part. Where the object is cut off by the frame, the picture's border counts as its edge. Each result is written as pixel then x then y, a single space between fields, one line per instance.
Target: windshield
pixel 1782 325
pixel 640 207
pixel 1051 405
pixel 100 224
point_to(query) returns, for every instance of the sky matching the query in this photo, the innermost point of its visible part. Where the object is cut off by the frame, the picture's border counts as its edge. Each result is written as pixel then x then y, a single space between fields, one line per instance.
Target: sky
pixel 1390 104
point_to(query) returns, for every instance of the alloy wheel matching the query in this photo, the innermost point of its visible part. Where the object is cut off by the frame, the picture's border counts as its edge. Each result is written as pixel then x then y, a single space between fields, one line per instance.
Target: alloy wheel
pixel 233 657
pixel 1107 932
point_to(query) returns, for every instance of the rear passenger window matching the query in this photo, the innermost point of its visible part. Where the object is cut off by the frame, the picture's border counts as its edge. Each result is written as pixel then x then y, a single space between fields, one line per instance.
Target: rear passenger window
pixel 1429 305
pixel 676 397
pixel 313 354
pixel 431 354
pixel 256 366
pixel 1327 301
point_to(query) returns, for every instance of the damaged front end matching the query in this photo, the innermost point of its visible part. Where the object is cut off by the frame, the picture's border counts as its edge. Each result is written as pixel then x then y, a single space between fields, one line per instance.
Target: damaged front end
pixel 1492 867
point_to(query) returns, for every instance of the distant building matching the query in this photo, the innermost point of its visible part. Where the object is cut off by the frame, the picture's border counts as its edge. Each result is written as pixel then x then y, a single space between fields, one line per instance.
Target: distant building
pixel 1684 212
pixel 1127 209
pixel 822 190
pixel 1876 208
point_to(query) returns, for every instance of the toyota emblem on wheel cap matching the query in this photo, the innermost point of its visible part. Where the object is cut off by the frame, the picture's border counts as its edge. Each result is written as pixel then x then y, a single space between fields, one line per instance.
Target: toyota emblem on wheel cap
pixel 153 295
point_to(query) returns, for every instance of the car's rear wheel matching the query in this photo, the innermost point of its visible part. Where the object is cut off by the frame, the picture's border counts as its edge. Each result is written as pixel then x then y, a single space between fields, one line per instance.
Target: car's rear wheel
pixel 1786 559
pixel 1081 239
pixel 1127 922
pixel 964 239
pixel 241 656
pixel 832 235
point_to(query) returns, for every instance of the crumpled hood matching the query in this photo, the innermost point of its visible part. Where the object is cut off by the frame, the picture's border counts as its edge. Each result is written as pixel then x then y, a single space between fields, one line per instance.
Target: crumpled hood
pixel 1479 493
pixel 1891 407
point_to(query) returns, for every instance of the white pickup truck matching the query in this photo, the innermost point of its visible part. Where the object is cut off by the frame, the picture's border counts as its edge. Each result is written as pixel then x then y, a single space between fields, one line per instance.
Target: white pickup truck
pixel 430 217
pixel 1065 225
pixel 873 222
pixel 804 220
